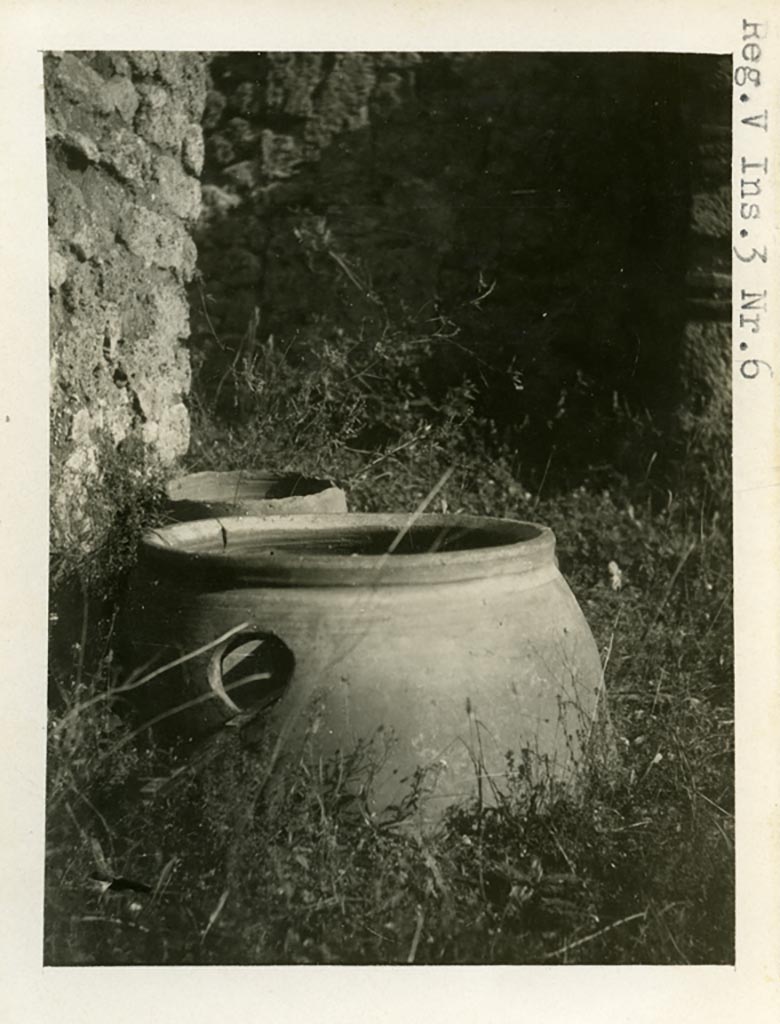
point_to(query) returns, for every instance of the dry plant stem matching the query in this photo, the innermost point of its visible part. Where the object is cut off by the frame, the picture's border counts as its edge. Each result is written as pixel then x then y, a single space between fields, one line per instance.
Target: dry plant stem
pixel 231 369
pixel 722 810
pixel 563 950
pixel 204 306
pixel 672 939
pixel 563 852
pixel 726 839
pixel 76 822
pixel 611 642
pixel 164 878
pixel 115 921
pixel 215 914
pixel 134 684
pixel 341 263
pixel 603 931
pixel 246 348
pixel 717 614
pixel 669 587
pixel 417 933
pixel 419 510
pixel 198 760
pixel 184 706
pixel 94 810
pixel 544 477
pixel 268 768
pixel 385 455
pixel 84 633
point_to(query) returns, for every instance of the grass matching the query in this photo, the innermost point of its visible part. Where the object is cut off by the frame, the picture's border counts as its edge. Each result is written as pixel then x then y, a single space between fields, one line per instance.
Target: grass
pixel 224 869
pixel 640 872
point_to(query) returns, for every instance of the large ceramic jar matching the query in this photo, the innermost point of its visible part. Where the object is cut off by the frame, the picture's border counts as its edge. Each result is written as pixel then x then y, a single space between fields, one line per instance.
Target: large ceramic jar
pixel 250 492
pixel 444 645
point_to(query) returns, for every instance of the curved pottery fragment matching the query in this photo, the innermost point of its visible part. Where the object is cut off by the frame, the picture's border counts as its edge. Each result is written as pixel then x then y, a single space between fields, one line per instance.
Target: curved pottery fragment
pixel 250 492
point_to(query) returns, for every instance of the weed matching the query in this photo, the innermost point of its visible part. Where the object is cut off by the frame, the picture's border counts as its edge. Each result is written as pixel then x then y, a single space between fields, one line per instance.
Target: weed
pixel 637 869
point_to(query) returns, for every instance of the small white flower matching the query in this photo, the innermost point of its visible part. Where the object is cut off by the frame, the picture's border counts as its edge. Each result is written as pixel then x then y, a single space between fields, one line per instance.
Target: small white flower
pixel 615 576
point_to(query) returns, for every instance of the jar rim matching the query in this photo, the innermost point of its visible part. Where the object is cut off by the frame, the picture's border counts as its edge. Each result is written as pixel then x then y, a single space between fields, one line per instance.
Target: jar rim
pixel 347 549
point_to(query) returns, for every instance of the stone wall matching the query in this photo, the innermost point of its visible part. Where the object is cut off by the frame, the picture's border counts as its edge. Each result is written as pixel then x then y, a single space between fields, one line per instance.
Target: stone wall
pixel 705 352
pixel 342 189
pixel 570 212
pixel 125 151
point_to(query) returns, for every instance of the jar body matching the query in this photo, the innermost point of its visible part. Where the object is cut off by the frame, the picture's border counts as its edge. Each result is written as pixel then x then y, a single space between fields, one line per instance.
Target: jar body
pixel 440 676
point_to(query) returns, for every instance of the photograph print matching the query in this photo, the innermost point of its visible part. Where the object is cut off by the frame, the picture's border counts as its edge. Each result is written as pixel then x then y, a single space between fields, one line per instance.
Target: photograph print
pixel 390 577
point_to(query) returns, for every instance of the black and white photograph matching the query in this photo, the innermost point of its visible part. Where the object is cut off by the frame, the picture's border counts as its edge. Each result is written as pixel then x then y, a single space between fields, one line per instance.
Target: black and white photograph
pixel 392 447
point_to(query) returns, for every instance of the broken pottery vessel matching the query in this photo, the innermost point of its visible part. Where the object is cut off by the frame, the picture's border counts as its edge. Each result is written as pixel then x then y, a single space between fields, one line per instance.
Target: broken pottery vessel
pixel 250 492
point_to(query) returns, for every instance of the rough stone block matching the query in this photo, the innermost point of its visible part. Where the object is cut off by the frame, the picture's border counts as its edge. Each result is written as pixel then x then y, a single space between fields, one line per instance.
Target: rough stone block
pixel 170 435
pixel 78 350
pixel 77 224
pixel 711 213
pixel 127 154
pixel 120 64
pixel 189 260
pixel 82 144
pixel 192 150
pixel 280 155
pixel 217 203
pixel 80 84
pixel 58 269
pixel 177 189
pixel 122 95
pixel 171 315
pixel 221 150
pixel 162 122
pixel 243 175
pixel 157 240
pixel 292 80
pixel 215 106
pixel 144 62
